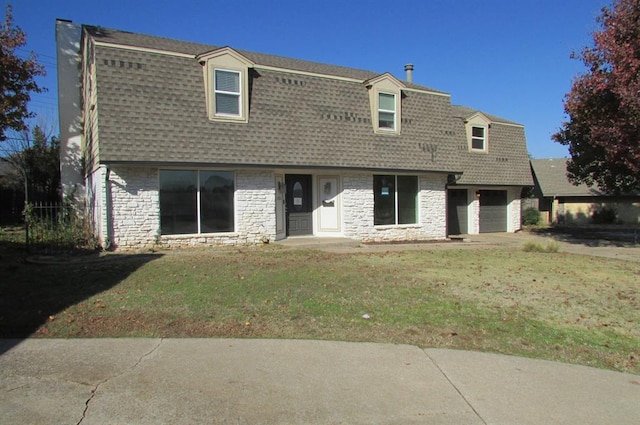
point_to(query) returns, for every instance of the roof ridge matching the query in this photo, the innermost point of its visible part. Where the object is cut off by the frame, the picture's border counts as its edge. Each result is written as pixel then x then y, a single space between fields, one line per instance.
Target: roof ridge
pixel 468 111
pixel 133 39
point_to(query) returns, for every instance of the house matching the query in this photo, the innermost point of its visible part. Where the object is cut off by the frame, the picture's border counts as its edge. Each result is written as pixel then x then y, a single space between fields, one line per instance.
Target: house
pixel 562 202
pixel 184 144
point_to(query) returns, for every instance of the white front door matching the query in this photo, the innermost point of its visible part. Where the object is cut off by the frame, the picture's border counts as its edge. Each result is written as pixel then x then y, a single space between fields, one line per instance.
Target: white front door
pixel 328 204
pixel 280 207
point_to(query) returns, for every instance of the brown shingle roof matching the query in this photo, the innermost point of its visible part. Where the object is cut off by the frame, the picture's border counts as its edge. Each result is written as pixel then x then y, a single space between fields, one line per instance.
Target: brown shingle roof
pixel 151 109
pixel 125 38
pixel 551 179
pixel 507 160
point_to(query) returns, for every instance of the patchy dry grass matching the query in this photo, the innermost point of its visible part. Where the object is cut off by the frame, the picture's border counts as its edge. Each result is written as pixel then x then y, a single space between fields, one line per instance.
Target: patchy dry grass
pixel 549 247
pixel 562 307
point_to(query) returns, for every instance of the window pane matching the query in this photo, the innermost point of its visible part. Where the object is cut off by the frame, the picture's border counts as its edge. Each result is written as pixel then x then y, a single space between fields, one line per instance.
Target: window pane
pixel 384 200
pixel 227 81
pixel 386 120
pixel 477 132
pixel 477 144
pixel 227 104
pixel 387 102
pixel 407 199
pixel 216 201
pixel 178 202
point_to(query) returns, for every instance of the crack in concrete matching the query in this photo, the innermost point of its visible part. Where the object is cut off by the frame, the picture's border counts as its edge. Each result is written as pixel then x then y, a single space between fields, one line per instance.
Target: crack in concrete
pixel 104 381
pixel 468 403
pixel 8 390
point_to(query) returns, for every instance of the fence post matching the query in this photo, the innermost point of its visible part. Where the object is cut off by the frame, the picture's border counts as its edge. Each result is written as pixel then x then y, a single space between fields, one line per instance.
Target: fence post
pixel 25 213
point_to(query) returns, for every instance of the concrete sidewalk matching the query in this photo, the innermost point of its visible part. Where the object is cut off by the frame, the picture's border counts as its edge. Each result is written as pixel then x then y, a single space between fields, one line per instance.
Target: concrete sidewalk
pixel 230 381
pixel 566 243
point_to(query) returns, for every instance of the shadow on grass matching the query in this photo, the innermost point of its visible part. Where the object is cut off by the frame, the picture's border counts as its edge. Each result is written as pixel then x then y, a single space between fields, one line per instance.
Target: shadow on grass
pixel 593 236
pixel 32 292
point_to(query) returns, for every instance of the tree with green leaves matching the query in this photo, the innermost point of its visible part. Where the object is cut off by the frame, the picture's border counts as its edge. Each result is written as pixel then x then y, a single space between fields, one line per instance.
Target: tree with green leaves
pixel 17 78
pixel 603 106
pixel 35 156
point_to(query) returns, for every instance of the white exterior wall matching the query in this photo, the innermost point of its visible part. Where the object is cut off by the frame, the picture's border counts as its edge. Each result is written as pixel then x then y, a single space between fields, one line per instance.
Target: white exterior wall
pixel 433 205
pixel 68 37
pixel 135 205
pixel 357 199
pixel 514 220
pixel 474 212
pixel 135 220
pixel 133 197
pixel 357 205
pixel 255 206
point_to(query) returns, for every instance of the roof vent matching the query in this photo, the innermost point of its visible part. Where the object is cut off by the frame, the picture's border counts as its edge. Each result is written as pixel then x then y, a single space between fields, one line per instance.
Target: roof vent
pixel 408 68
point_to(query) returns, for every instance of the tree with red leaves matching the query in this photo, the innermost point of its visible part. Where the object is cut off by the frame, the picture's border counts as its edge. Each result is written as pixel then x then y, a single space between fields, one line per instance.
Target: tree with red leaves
pixel 603 106
pixel 17 78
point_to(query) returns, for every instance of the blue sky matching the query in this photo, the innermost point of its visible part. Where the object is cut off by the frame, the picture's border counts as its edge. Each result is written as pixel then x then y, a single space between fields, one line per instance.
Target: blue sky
pixel 506 57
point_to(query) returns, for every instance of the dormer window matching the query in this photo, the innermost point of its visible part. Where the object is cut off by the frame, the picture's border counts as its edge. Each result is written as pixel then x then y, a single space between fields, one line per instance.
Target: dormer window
pixel 226 82
pixel 478 126
pixel 386 111
pixel 477 138
pixel 228 100
pixel 385 93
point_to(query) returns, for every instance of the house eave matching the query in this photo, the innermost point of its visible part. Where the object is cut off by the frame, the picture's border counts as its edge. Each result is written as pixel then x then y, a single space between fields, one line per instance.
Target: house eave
pixel 178 164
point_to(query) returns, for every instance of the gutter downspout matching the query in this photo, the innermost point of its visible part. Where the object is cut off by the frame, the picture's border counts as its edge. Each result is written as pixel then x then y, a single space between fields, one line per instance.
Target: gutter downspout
pixel 107 205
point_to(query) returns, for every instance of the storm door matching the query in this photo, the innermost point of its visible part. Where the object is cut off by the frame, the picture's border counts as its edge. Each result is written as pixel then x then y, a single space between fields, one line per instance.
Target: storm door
pixel 299 205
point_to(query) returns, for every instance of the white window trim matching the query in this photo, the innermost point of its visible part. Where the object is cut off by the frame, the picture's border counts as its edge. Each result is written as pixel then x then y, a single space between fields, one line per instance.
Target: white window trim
pixel 394 112
pixel 385 84
pixel 478 120
pixel 225 59
pixel 485 130
pixel 238 94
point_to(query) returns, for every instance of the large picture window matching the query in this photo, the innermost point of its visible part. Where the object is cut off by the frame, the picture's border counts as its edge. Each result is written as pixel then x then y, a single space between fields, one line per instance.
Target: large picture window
pixel 194 202
pixel 395 199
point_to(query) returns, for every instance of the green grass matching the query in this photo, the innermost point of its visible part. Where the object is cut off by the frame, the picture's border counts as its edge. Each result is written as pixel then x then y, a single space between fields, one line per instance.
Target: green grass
pixel 561 307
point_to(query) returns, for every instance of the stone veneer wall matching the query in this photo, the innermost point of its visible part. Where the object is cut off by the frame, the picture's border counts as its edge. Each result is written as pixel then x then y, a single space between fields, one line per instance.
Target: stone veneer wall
pixel 474 212
pixel 136 211
pixel 357 201
pixel 135 222
pixel 135 206
pixel 255 206
pixel 514 212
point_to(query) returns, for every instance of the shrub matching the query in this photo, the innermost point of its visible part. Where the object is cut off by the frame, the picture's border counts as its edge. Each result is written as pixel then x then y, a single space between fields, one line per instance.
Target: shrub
pixel 61 232
pixel 549 248
pixel 531 217
pixel 604 216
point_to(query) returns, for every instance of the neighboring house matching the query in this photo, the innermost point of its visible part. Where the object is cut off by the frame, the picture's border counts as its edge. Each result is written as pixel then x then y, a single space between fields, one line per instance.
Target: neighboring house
pixel 188 144
pixel 562 202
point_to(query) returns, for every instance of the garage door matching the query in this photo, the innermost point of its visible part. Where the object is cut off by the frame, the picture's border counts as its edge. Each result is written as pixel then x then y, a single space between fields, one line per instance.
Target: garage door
pixel 457 212
pixel 493 211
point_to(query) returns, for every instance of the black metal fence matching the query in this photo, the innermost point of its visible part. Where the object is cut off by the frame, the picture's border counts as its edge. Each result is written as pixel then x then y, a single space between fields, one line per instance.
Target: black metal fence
pixel 49 213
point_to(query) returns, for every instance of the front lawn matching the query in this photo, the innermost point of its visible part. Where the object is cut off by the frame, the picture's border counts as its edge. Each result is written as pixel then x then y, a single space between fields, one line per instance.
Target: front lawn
pixel 554 306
